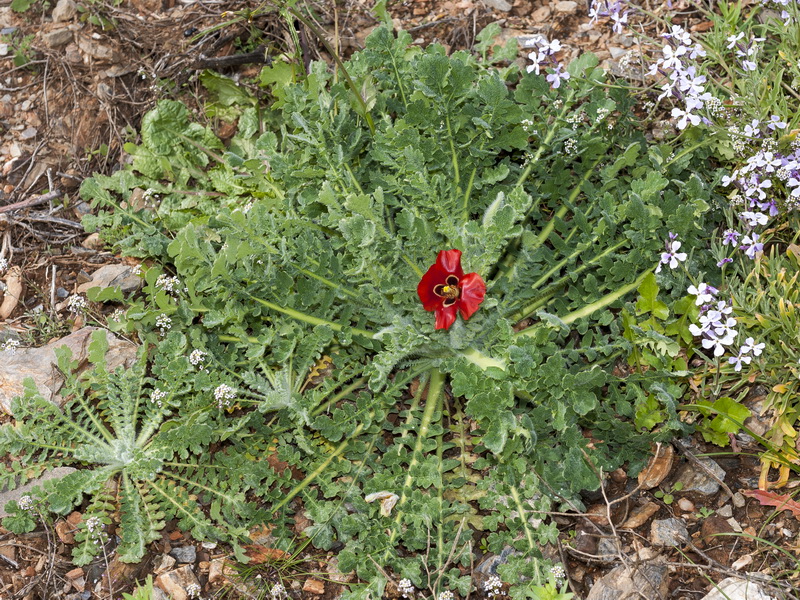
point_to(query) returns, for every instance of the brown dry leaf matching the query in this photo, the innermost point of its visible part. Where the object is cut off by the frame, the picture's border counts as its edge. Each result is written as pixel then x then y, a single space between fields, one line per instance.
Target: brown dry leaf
pixel 658 467
pixel 779 501
pixel 701 27
pixel 13 293
pixel 259 554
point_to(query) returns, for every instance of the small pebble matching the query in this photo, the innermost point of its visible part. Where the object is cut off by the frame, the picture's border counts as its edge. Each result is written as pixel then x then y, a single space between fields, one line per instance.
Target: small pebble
pixel 686 505
pixel 725 511
pixel 738 500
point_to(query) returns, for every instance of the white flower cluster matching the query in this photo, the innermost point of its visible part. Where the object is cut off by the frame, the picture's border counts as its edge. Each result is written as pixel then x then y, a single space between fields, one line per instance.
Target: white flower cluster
pixel 493 587
pixel 25 502
pixel 156 396
pixel 193 590
pixel 406 588
pixel 10 344
pixel 96 530
pixel 278 592
pixel 446 595
pixel 197 357
pixel 558 572
pixel 76 304
pixel 3 264
pixel 223 395
pixel 171 285
pixel 164 323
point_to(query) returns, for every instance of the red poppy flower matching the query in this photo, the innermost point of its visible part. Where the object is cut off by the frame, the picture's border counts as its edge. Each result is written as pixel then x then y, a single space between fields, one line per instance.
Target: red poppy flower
pixel 445 290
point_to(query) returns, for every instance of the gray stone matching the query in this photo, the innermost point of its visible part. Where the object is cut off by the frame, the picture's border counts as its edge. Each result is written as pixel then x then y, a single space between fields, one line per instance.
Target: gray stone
pixel 695 479
pixel 668 532
pixel 40 364
pixel 738 500
pixel 734 588
pixel 58 38
pixel 498 5
pixel 646 581
pixel 9 495
pixel 617 52
pixel 120 276
pixel 184 554
pixel 607 549
pixel 64 11
pixel 725 511
pixel 566 7
pixel 488 566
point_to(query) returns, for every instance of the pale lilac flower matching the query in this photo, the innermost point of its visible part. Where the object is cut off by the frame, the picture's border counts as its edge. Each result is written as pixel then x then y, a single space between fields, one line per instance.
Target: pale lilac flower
pixel 671 257
pixel 753 219
pixel 684 118
pixel 724 261
pixel 737 361
pixel 705 293
pixel 751 245
pixel 751 346
pixel 733 39
pixel 776 123
pixel 730 236
pixel 556 76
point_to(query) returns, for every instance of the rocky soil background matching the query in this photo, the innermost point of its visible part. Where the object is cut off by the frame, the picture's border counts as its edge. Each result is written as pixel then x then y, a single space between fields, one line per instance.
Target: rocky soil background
pixel 76 78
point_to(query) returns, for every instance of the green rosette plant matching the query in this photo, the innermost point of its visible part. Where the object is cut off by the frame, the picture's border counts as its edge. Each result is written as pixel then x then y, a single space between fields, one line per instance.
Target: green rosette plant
pixel 460 258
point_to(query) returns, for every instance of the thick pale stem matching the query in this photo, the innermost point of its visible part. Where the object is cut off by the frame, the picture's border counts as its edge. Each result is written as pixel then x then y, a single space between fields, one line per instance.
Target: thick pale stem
pixel 483 361
pixel 594 306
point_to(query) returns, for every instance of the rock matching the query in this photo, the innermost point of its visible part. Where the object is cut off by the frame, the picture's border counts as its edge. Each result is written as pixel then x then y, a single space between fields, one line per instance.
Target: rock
pixel 541 14
pixel 498 5
pixel 635 582
pixel 65 532
pixel 488 566
pixel 714 531
pixel 640 515
pixel 76 578
pixel 658 467
pixel 725 511
pixel 163 564
pixel 567 7
pixel 184 554
pixel 95 50
pixel 738 500
pixel 695 479
pixel 23 490
pixel 668 532
pixel 64 11
pixel 314 586
pixel 121 276
pixel 607 549
pixel 177 583
pixel 57 38
pixel 686 505
pixel 29 133
pixel 734 588
pixel 216 571
pixel 616 52
pixel 39 364
pixel 335 575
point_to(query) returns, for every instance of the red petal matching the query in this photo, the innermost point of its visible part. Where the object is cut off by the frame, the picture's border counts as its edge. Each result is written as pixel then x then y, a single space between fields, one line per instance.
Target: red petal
pixel 435 276
pixel 446 316
pixel 450 262
pixel 473 289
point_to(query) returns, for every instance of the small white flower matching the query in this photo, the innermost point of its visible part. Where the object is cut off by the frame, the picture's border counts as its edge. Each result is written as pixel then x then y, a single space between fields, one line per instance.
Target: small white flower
pixel 3 264
pixel 25 502
pixel 278 592
pixel 193 590
pixel 446 595
pixel 164 323
pixel 168 284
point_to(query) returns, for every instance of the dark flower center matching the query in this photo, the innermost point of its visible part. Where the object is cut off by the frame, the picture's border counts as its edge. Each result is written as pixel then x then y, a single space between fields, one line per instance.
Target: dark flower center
pixel 449 290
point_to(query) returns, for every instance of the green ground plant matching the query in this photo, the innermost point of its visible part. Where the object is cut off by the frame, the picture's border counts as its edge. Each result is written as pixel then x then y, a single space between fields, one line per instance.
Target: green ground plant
pixel 302 243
